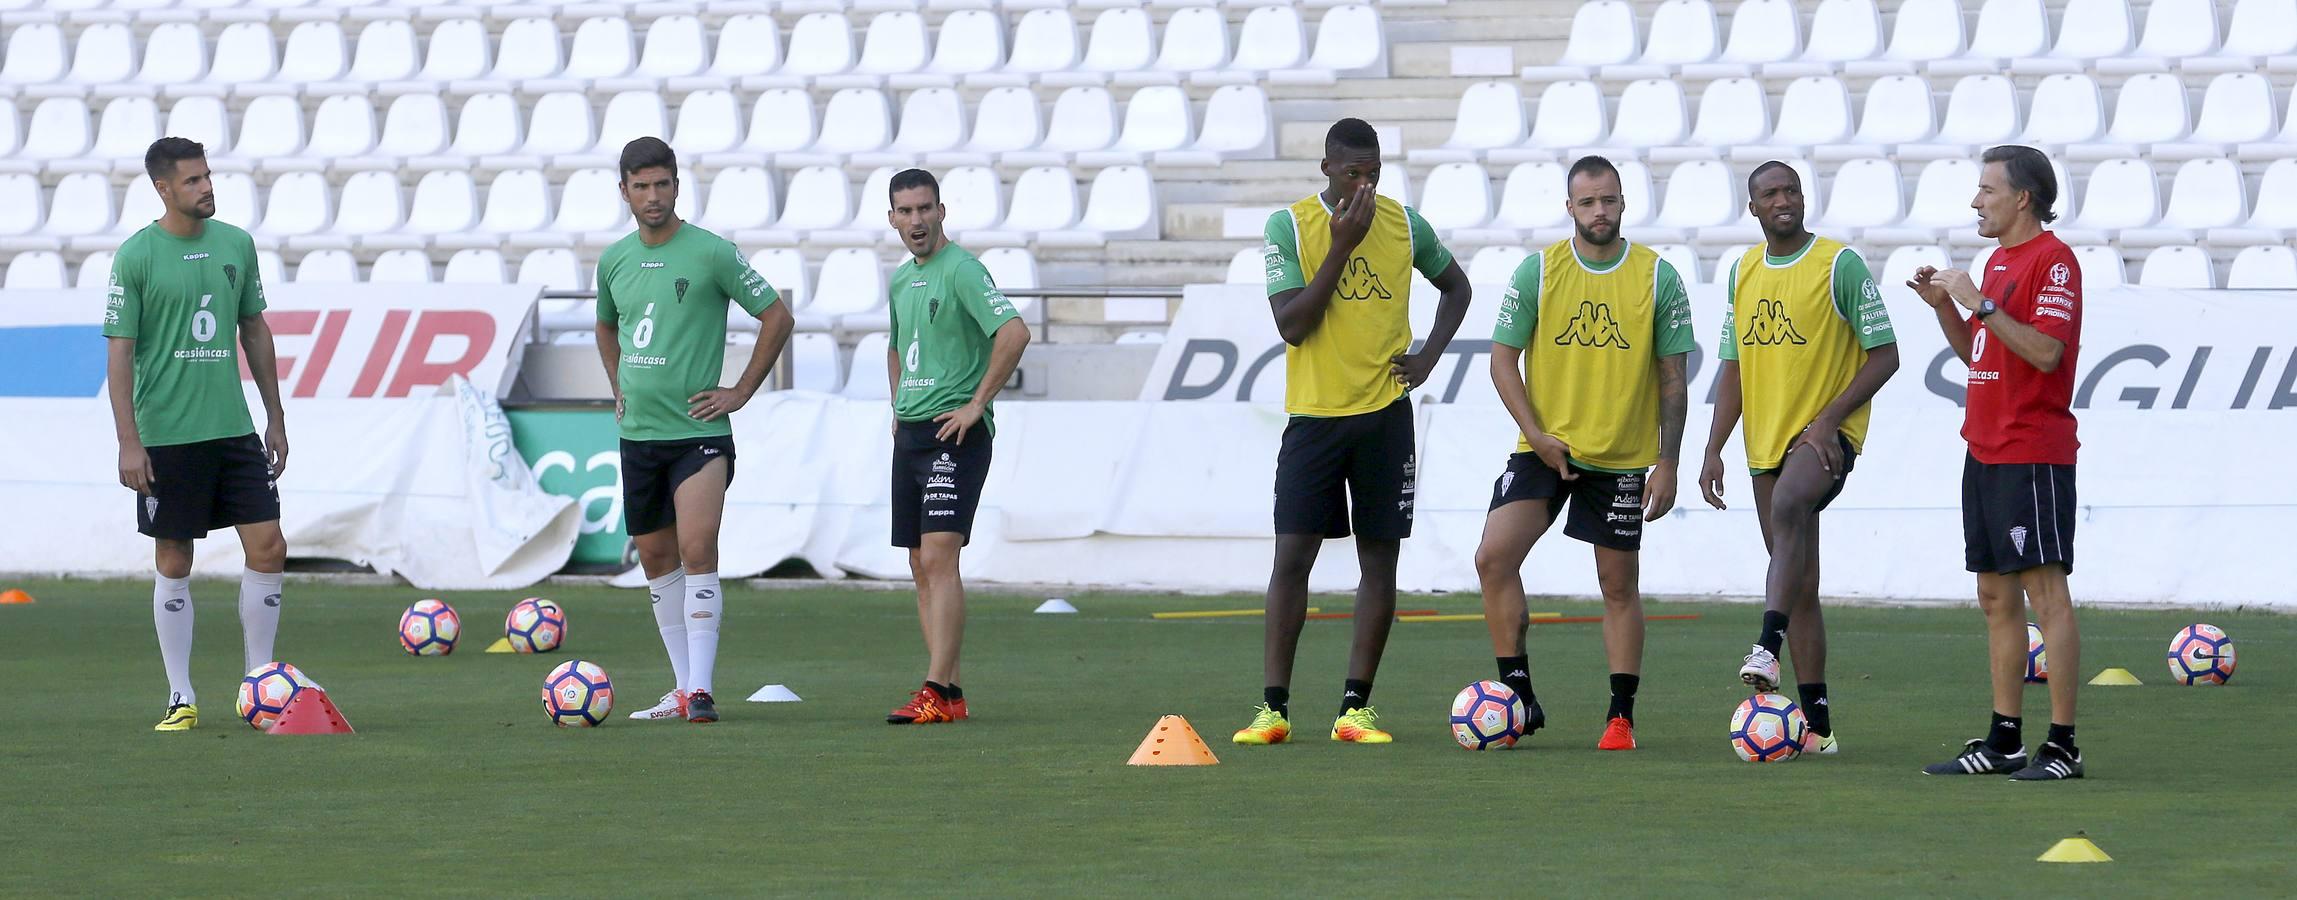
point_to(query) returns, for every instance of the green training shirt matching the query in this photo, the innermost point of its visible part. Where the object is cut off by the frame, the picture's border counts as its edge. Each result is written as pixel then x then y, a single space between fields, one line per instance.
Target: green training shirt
pixel 945 312
pixel 181 300
pixel 669 303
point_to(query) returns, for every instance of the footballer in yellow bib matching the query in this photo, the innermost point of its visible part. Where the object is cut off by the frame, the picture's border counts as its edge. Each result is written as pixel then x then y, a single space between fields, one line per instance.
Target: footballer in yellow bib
pixel 1806 343
pixel 1589 356
pixel 1340 266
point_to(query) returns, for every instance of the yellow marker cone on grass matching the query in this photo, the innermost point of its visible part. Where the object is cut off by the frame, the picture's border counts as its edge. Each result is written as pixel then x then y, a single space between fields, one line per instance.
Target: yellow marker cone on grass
pixel 2076 849
pixel 500 645
pixel 2115 676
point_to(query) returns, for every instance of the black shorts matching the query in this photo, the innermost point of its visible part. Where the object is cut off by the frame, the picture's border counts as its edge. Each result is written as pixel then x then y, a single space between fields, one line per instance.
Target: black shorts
pixel 204 486
pixel 1841 475
pixel 652 472
pixel 1370 459
pixel 936 483
pixel 1606 509
pixel 2016 516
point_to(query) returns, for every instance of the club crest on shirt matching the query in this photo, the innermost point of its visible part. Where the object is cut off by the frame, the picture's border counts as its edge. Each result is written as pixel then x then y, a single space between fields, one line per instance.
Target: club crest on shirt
pixel 932 308
pixel 231 275
pixel 680 286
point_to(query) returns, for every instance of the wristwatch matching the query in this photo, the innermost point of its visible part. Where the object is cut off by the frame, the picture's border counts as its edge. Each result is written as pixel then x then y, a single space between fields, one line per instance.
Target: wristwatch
pixel 1987 308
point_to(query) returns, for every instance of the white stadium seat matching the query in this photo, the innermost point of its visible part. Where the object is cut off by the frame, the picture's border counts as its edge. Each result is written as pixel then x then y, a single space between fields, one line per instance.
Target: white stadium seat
pixel 1243 268
pixel 2177 267
pixel 1815 110
pixel 1271 39
pixel 1940 208
pixel 971 42
pixel 2121 194
pixel 1732 112
pixel 1123 40
pixel 369 204
pixel 932 121
pixel 1121 206
pixel 80 206
pixel 245 53
pixel 96 271
pixel 813 363
pixel 1682 257
pixel 1490 116
pixel 2237 108
pixel 1006 120
pixel 1636 190
pixel 591 206
pixel 782 121
pixel 1013 269
pixel 446 202
pixel 234 201
pixel 2176 31
pixel 630 115
pixel 709 121
pixel 740 198
pixel 327 267
pixel 2259 29
pixel 475 267
pixel 1982 111
pixel 1922 31
pixel 818 198
pixel 748 44
pixel 2205 194
pixel 1900 266
pixel 1237 125
pixel 1156 118
pixel 603 47
pixel 2271 267
pixel 1349 41
pixel 529 49
pixel 852 282
pixel 974 198
pixel 35 54
pixel 387 51
pixel 1603 33
pixel 2150 109
pixel 105 54
pixel 1044 200
pixel 19 204
pixel 1682 32
pixel 1864 193
pixel 872 209
pixel 1700 194
pixel 555 268
pixel 415 125
pixel 866 379
pixel 2005 30
pixel 457 49
pixel 785 269
pixel 343 127
pixel 174 54
pixel 1763 31
pixel 11 127
pixel 560 123
pixel 57 129
pixel 37 270
pixel 1650 114
pixel 1195 40
pixel 2274 215
pixel 270 128
pixel 2093 29
pixel 126 129
pixel 1569 114
pixel 1898 110
pixel 2066 110
pixel 1458 196
pixel 1084 119
pixel 316 52
pixel 1841 31
pixel 856 120
pixel 895 43
pixel 401 267
pixel 676 47
pixel 1044 41
pixel 1489 266
pixel 202 119
pixel 820 44
pixel 488 125
pixel 1534 197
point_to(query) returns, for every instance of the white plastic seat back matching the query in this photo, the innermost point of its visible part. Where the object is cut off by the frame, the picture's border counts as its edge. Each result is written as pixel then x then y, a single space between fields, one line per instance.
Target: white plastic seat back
pixel 865 379
pixel 1122 41
pixel 2150 109
pixel 1603 32
pixel 1763 31
pixel 1044 199
pixel 2090 29
pixel 852 281
pixel 386 51
pixel 2261 28
pixel 58 129
pixel 1682 31
pixel 1898 110
pixel 327 267
pixel 401 267
pixel 1942 195
pixel 244 53
pixel 555 268
pixel 35 55
pixel 1490 115
pixel 1271 39
pixel 1495 266
pixel 446 202
pixel 80 205
pixel 1843 31
pixel 344 126
pixel 1925 30
pixel 2066 110
pixel 1195 40
pixel 2121 194
pixel 971 41
pixel 2207 193
pixel 896 42
pixel 2237 108
pixel 932 119
pixel 1732 111
pixel 36 270
pixel 1533 197
pixel 415 125
pixel 127 128
pixel 105 54
pixel 315 51
pixel 1700 194
pixel 518 200
pixel 676 46
pixel 529 49
pixel 1084 118
pixel 1045 41
pixel 2175 29
pixel 1814 110
pixel 818 198
pixel 2186 268
pixel 270 127
pixel 475 266
pixel 2010 29
pixel 1650 114
pixel 974 198
pixel 1122 204
pixel 740 197
pixel 1156 118
pixel 1864 193
pixel 782 121
pixel 458 50
pixel 1237 120
pixel 371 204
pixel 631 115
pixel 1983 109
pixel 489 124
pixel 785 269
pixel 748 44
pixel 175 53
pixel 603 48
pixel 1456 195
pixel 813 363
pixel 1349 38
pixel 1244 267
pixel 2268 267
pixel 591 202
pixel 820 44
pixel 562 123
pixel 1570 114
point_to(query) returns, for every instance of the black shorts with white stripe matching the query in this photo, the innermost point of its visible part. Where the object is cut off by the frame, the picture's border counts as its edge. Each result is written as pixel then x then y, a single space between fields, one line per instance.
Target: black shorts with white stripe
pixel 2016 516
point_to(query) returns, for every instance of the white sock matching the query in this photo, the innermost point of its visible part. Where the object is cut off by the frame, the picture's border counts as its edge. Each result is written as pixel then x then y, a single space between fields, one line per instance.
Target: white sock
pixel 171 617
pixel 258 614
pixel 705 605
pixel 668 594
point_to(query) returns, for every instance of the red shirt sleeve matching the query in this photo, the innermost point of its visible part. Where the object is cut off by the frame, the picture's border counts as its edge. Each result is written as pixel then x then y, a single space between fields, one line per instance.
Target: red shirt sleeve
pixel 2057 296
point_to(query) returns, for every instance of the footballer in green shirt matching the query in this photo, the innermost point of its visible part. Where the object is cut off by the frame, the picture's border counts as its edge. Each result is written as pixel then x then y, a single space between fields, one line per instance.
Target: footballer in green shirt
pixel 955 342
pixel 663 293
pixel 185 303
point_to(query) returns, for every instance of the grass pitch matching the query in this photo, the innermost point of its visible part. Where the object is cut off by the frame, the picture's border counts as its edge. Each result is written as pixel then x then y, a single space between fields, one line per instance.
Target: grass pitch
pixel 455 783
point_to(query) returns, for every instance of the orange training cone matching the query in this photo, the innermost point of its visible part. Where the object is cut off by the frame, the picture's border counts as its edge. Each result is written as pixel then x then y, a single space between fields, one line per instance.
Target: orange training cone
pixel 13 596
pixel 311 713
pixel 1172 743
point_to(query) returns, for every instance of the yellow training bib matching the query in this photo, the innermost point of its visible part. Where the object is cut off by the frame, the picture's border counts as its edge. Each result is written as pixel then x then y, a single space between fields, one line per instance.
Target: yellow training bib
pixel 1592 362
pixel 1343 368
pixel 1796 351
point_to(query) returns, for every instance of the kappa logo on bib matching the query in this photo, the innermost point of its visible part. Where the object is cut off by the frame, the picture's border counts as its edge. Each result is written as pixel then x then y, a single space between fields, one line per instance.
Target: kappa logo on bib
pixel 1593 326
pixel 1771 325
pixel 1360 283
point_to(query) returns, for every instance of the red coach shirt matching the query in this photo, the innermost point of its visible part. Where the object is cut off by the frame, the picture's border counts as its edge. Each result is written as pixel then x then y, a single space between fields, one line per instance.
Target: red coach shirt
pixel 2017 413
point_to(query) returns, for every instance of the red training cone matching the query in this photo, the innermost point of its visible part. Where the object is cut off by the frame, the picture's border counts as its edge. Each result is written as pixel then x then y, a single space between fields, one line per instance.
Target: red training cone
pixel 311 713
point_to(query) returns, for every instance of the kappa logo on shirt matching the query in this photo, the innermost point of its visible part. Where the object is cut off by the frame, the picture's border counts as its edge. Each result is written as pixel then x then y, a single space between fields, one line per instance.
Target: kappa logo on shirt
pixel 1771 326
pixel 652 264
pixel 1593 326
pixel 1360 283
pixel 194 257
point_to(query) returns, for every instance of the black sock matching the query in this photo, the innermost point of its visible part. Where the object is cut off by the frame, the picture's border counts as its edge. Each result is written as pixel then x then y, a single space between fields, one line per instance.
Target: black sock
pixel 1774 631
pixel 2063 736
pixel 1515 672
pixel 1623 696
pixel 944 691
pixel 1355 695
pixel 1814 707
pixel 1278 699
pixel 952 692
pixel 2004 735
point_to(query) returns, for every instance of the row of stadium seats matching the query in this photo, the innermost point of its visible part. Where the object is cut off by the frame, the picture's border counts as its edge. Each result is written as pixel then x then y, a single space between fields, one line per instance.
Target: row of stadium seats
pixel 370 211
pixel 971 47
pixel 2270 266
pixel 1683 39
pixel 561 130
pixel 566 10
pixel 2153 115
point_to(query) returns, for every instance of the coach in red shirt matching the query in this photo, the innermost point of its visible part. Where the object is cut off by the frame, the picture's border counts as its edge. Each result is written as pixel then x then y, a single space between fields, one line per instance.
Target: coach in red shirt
pixel 2023 329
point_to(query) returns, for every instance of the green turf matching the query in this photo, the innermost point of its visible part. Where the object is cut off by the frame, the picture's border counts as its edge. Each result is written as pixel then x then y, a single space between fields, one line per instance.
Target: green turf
pixel 456 784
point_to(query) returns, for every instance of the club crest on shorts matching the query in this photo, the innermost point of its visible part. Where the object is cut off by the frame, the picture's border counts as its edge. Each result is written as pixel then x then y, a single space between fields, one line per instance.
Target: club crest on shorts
pixel 1506 480
pixel 944 465
pixel 152 509
pixel 2018 538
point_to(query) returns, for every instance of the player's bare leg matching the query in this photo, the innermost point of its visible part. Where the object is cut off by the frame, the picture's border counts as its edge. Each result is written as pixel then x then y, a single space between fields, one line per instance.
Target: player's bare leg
pixel 700 502
pixel 1508 535
pixel 2053 603
pixel 1787 502
pixel 933 566
pixel 1286 614
pixel 1619 573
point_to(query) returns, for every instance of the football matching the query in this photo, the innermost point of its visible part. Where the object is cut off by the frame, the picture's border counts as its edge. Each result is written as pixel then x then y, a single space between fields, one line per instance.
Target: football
pixel 429 628
pixel 535 625
pixel 1487 715
pixel 1768 728
pixel 577 694
pixel 2037 656
pixel 2201 654
pixel 266 691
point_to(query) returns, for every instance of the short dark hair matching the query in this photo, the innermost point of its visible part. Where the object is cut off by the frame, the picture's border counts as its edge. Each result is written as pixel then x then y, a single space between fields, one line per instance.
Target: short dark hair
pixel 1349 135
pixel 160 160
pixel 1765 167
pixel 2028 171
pixel 912 178
pixel 648 153
pixel 1590 164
